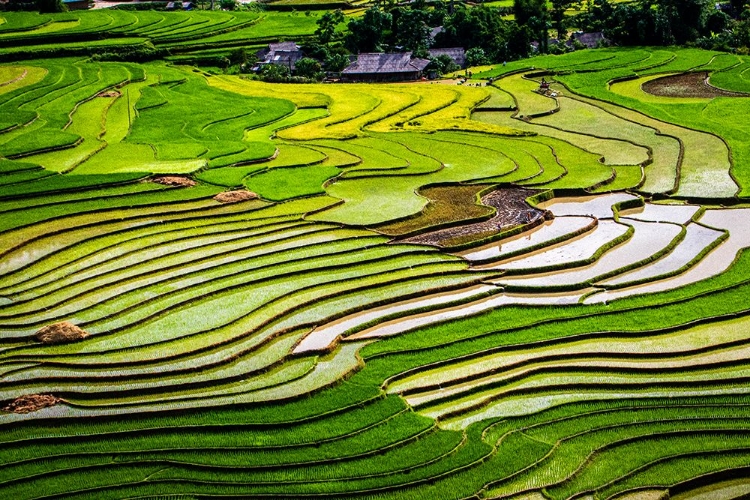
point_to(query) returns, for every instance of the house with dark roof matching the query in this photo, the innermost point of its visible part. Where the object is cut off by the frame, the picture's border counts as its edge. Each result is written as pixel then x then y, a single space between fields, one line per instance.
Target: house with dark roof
pixel 589 40
pixel 457 54
pixel 282 53
pixel 380 67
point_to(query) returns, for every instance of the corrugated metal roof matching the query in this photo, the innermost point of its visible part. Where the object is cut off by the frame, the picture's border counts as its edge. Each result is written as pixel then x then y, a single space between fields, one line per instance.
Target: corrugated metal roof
pixel 283 47
pixel 375 62
pixel 283 53
pixel 458 54
pixel 590 40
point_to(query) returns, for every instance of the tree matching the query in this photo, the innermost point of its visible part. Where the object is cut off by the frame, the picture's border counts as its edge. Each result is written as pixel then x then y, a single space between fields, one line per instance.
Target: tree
pixel 367 33
pixel 327 25
pixel 539 27
pixel 240 57
pixel 524 10
pixel 558 16
pixel 476 57
pixel 274 72
pixel 308 68
pixel 533 13
pixel 443 64
pixel 737 6
pixel 717 21
pixel 483 27
pixel 685 19
pixel 596 17
pixel 336 62
pixel 45 6
pixel 412 31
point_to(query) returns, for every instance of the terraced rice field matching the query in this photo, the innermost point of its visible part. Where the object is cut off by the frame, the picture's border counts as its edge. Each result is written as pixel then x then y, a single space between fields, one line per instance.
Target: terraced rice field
pixel 368 291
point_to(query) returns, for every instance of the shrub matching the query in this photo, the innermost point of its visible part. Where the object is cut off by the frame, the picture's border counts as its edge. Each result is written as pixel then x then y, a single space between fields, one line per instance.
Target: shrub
pixel 476 57
pixel 309 68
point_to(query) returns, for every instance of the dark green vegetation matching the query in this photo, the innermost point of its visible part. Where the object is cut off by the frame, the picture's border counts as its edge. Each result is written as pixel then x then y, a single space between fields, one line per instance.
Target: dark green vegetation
pixel 285 346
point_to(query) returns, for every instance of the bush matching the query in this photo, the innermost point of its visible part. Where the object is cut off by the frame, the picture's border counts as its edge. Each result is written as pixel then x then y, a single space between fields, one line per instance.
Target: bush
pixel 141 53
pixel 443 64
pixel 476 57
pixel 336 62
pixel 309 68
pixel 273 72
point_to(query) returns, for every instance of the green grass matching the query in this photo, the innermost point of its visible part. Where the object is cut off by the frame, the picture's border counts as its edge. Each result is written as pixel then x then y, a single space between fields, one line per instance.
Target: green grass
pixel 284 183
pixel 736 78
pixel 192 382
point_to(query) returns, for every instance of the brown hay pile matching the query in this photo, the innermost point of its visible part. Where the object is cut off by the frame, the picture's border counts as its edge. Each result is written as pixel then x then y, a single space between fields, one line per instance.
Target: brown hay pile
pixel 31 402
pixel 174 180
pixel 60 333
pixel 109 93
pixel 235 196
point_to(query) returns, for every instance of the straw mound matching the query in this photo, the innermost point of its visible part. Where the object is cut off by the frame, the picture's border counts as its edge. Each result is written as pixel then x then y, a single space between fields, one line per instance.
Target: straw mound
pixel 174 180
pixel 235 196
pixel 31 402
pixel 60 333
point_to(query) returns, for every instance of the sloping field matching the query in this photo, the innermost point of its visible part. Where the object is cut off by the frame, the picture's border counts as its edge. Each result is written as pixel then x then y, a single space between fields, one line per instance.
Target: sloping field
pixel 213 287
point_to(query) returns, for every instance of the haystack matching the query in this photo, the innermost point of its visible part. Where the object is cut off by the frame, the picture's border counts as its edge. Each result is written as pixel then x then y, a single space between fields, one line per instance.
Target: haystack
pixel 60 333
pixel 31 402
pixel 174 180
pixel 235 196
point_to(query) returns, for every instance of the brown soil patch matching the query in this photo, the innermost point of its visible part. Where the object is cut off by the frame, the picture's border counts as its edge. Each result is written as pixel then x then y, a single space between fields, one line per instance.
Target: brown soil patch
pixel 60 333
pixel 31 402
pixel 174 180
pixel 687 85
pixel 235 196
pixel 109 93
pixel 512 210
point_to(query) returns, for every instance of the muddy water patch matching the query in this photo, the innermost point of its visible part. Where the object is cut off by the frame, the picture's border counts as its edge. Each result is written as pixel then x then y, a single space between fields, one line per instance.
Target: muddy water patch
pixel 697 239
pixel 718 260
pixel 547 232
pixel 648 239
pixel 567 253
pixel 401 325
pixel 679 214
pixel 733 488
pixel 323 337
pixel 592 206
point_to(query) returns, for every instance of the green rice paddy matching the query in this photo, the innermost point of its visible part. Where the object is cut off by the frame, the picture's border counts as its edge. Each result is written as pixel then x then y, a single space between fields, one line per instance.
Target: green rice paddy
pixel 424 290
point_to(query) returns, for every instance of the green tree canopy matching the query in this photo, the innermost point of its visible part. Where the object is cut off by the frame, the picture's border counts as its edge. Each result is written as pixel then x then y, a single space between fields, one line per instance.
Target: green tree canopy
pixel 558 16
pixel 327 26
pixel 524 10
pixel 482 27
pixel 368 33
pixel 308 68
